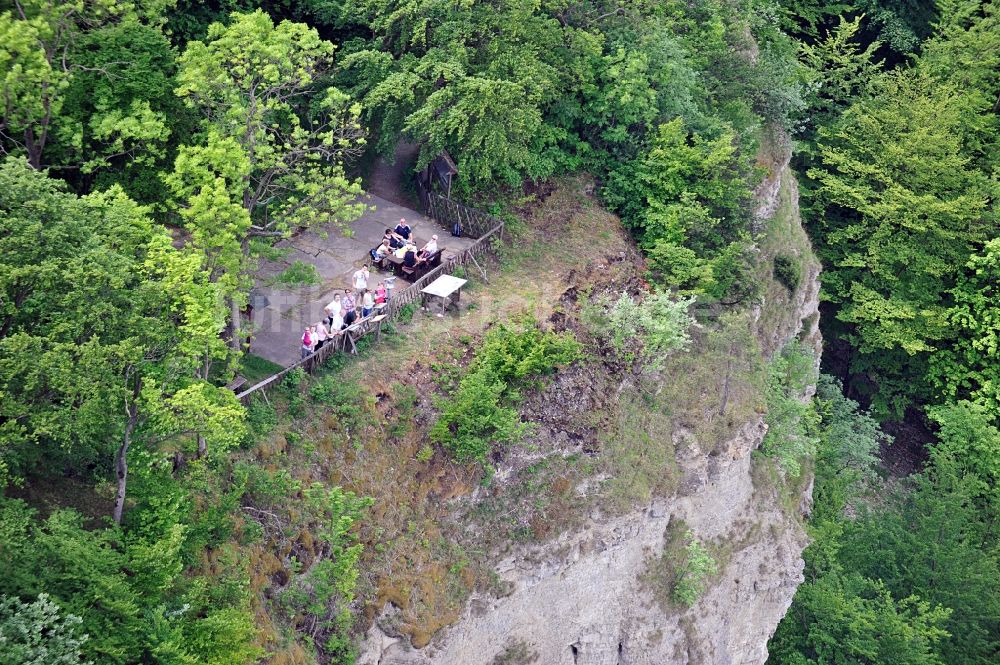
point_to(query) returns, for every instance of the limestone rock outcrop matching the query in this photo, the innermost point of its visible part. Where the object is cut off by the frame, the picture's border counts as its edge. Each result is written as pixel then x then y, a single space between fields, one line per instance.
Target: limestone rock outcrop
pixel 586 597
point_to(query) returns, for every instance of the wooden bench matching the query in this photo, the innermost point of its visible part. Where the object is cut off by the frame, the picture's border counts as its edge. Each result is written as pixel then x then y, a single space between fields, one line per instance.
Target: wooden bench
pixel 237 383
pixel 422 268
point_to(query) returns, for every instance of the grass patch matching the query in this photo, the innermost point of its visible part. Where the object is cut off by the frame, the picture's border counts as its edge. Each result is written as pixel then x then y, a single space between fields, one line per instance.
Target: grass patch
pixel 539 503
pixel 638 452
pixel 255 368
pixel 716 387
pixel 298 274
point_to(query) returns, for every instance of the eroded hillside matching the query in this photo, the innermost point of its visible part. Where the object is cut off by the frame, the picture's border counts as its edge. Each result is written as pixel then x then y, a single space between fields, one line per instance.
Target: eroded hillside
pixel 569 550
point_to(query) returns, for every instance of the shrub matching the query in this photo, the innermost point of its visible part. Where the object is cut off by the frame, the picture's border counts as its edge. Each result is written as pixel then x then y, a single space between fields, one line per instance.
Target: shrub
pixel 261 419
pixel 299 273
pixel 474 419
pixel 651 328
pixel 517 354
pixel 791 420
pixel 693 572
pixel 325 590
pixel 480 414
pixel 406 313
pixel 293 380
pixel 37 632
pixel 788 271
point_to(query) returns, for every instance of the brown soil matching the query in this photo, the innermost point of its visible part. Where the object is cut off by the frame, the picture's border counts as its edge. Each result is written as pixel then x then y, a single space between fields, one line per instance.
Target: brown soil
pixel 388 177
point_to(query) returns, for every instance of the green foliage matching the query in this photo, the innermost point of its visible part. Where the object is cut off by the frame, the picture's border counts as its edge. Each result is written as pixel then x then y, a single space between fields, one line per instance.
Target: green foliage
pixel 851 619
pixel 651 328
pixel 913 578
pixel 36 633
pixel 903 197
pixel 480 416
pixel 299 273
pixel 107 329
pixel 660 101
pixel 406 313
pixel 688 199
pixel 128 589
pixel 474 420
pixel 788 271
pixel 693 571
pixel 425 453
pixel 791 419
pixel 271 156
pixel 969 366
pixel 261 419
pixel 325 590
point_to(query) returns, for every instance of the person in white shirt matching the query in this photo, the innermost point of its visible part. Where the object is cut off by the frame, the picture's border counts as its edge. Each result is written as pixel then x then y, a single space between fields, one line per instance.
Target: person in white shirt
pixel 334 308
pixel 383 250
pixel 320 335
pixel 361 278
pixel 336 321
pixel 429 249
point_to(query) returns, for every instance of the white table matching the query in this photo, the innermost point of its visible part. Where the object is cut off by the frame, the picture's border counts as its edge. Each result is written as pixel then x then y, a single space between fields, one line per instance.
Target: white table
pixel 445 288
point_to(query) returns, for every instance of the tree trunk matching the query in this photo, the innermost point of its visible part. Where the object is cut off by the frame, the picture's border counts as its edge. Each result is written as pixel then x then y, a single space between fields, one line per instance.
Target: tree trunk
pixel 33 148
pixel 202 446
pixel 121 462
pixel 236 338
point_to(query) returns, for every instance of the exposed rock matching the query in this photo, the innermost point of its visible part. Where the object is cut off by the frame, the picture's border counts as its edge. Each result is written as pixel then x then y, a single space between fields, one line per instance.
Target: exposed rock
pixel 586 597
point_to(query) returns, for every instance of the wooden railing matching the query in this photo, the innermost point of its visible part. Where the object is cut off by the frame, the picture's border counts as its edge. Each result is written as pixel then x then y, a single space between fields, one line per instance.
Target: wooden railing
pixel 344 341
pixel 475 223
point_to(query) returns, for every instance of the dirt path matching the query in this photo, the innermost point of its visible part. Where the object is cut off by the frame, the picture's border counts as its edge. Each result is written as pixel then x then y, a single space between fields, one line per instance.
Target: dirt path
pixel 387 180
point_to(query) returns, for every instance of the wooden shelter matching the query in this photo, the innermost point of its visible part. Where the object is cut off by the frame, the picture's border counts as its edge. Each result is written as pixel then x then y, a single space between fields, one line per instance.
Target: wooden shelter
pixel 442 169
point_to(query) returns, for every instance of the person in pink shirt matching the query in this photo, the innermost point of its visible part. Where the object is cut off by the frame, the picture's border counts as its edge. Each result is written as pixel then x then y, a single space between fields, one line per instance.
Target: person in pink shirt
pixel 307 343
pixel 380 293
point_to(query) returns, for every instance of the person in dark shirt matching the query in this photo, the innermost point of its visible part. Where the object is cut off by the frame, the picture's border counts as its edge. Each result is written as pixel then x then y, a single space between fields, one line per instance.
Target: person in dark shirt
pixel 350 318
pixel 410 258
pixel 395 241
pixel 403 229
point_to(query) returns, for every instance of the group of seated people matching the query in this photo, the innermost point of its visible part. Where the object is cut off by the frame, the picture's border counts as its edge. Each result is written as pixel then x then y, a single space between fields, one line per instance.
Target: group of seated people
pixel 344 311
pixel 399 242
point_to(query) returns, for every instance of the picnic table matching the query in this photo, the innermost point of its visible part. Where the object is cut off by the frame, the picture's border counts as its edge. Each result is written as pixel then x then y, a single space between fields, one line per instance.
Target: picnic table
pixel 446 288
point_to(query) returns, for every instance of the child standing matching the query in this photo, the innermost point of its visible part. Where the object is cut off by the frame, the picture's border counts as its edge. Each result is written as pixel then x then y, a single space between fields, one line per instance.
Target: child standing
pixel 307 343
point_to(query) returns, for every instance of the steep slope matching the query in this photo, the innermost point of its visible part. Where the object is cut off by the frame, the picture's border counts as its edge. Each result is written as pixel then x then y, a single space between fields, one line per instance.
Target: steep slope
pixel 599 592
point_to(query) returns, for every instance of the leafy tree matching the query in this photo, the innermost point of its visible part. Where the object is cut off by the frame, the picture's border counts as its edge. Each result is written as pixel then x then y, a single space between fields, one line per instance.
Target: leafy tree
pixel 89 349
pixel 688 200
pixel 129 590
pixel 119 116
pixel 845 618
pixel 41 42
pixel 276 137
pixel 839 71
pixel 791 418
pixel 970 365
pixel 912 577
pixel 903 213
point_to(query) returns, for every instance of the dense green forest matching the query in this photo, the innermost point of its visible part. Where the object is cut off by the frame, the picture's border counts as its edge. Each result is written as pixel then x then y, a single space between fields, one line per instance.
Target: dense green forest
pixel 154 150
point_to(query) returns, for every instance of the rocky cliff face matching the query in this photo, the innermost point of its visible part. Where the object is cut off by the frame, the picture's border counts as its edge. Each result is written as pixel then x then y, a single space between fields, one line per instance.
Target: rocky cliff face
pixel 590 597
